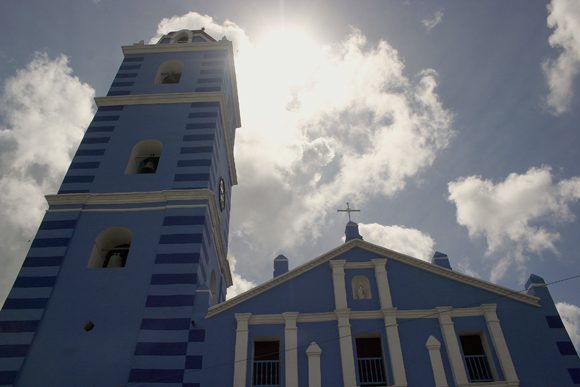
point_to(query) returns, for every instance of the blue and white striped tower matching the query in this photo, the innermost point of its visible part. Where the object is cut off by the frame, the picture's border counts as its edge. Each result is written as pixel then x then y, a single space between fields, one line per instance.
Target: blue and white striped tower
pixel 136 239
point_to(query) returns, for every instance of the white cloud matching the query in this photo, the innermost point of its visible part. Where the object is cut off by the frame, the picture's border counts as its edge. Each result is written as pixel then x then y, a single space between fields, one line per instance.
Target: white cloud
pixel 432 22
pixel 240 285
pixel 344 124
pixel 564 16
pixel 44 111
pixel 506 213
pixel 407 241
pixel 571 317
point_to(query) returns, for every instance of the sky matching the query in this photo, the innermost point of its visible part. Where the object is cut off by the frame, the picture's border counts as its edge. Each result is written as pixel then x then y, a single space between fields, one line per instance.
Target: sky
pixel 451 125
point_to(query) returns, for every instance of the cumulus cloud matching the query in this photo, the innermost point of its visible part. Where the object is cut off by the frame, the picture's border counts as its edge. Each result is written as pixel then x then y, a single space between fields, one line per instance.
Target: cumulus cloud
pixel 571 317
pixel 507 213
pixel 44 111
pixel 433 21
pixel 560 72
pixel 240 284
pixel 403 240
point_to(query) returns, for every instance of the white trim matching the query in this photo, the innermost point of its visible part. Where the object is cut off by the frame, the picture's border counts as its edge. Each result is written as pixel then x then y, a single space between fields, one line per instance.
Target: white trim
pixel 359 265
pixel 241 349
pixel 382 282
pixel 394 344
pixel 500 345
pixel 184 47
pixel 206 195
pixel 346 350
pixel 339 284
pixel 434 347
pixel 314 375
pixel 381 251
pixel 452 345
pixel 153 99
pixel 291 348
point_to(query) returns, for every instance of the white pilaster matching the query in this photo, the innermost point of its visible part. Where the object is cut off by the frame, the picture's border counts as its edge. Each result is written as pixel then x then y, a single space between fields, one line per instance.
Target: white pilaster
pixel 241 350
pixel 501 348
pixel 452 345
pixel 394 343
pixel 314 376
pixel 290 348
pixel 434 347
pixel 382 282
pixel 346 351
pixel 338 281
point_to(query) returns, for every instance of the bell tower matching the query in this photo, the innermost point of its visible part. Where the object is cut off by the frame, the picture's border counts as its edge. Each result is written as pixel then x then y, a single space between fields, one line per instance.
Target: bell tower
pixel 135 241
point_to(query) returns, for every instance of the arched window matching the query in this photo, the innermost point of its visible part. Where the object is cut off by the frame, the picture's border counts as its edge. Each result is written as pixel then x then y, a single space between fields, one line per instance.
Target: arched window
pixel 361 288
pixel 212 287
pixel 183 39
pixel 111 248
pixel 144 157
pixel 169 72
pixel 182 36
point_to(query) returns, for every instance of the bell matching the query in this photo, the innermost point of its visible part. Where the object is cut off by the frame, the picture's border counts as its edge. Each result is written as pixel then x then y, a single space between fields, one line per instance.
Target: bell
pixel 115 261
pixel 147 166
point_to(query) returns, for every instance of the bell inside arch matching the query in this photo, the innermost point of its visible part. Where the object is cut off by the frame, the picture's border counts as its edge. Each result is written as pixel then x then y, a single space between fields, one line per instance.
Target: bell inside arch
pixel 148 165
pixel 171 78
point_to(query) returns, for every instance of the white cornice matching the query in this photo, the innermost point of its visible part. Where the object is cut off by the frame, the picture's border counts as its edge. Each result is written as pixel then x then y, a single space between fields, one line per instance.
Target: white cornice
pixel 119 198
pixel 153 99
pixel 382 252
pixel 185 47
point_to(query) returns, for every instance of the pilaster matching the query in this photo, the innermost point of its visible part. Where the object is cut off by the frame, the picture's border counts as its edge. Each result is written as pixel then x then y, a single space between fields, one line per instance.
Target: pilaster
pixel 382 282
pixel 241 350
pixel 338 282
pixel 346 350
pixel 314 375
pixel 394 344
pixel 501 348
pixel 452 345
pixel 434 347
pixel 290 346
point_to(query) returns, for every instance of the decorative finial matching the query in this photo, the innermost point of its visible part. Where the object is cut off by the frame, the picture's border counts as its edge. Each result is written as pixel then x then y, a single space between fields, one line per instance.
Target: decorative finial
pixel 203 28
pixel 349 210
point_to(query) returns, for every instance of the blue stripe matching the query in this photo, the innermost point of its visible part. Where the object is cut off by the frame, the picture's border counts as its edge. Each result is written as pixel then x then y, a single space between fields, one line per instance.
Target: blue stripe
pixel 42 261
pixel 86 165
pixel 106 118
pixel 95 129
pixel 575 375
pixel 156 376
pixel 196 149
pixel 70 191
pixel 183 220
pixel 193 362
pixel 203 115
pixel 134 59
pixel 90 152
pixel 194 163
pixel 205 125
pixel 566 348
pixel 209 80
pixel 165 324
pixel 207 89
pixel 25 303
pixel 176 258
pixel 171 279
pixel 57 224
pixel 554 322
pixel 168 239
pixel 192 177
pixel 78 179
pixel 219 54
pixel 111 108
pixel 18 326
pixel 14 350
pixel 161 349
pixel 130 67
pixel 95 140
pixel 206 104
pixel 216 71
pixel 196 336
pixel 34 282
pixel 164 301
pixel 130 75
pixel 122 84
pixel 198 137
pixel 119 92
pixel 50 242
pixel 7 377
pixel 213 63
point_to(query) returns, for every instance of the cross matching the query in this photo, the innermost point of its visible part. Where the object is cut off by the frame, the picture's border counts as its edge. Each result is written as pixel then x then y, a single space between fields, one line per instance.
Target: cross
pixel 348 210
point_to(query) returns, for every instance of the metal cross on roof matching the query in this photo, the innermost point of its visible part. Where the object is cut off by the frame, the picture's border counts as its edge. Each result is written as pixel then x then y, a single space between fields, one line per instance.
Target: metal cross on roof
pixel 349 210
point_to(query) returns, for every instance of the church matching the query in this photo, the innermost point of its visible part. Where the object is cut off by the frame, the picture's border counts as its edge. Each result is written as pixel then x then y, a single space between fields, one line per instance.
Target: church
pixel 125 282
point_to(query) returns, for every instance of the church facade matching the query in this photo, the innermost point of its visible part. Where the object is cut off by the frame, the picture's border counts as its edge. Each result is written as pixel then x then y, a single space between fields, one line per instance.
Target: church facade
pixel 125 281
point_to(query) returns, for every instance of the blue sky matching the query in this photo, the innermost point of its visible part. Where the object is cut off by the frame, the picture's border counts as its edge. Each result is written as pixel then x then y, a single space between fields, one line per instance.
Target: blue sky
pixel 452 125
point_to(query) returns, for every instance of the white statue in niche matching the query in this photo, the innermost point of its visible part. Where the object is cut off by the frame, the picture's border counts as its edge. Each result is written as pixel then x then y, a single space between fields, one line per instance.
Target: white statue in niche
pixel 360 291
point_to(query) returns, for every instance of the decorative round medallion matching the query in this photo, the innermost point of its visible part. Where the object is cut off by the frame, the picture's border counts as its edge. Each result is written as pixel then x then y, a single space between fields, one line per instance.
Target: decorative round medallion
pixel 222 194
